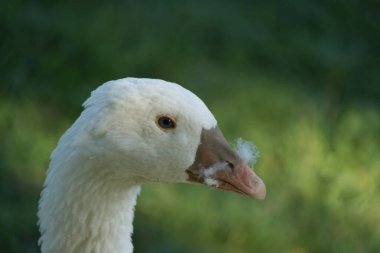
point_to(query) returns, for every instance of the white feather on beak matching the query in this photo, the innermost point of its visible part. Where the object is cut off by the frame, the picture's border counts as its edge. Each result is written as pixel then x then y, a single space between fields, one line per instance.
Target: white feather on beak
pixel 247 151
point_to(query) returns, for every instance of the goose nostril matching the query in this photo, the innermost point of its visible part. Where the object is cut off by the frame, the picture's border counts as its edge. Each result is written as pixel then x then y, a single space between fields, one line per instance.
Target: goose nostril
pixel 230 165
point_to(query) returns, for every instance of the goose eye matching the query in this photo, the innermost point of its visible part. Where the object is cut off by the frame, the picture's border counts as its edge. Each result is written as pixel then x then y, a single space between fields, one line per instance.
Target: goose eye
pixel 166 122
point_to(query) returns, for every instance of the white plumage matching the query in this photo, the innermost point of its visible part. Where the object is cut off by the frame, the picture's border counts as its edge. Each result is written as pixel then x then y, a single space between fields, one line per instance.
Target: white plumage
pixel 116 144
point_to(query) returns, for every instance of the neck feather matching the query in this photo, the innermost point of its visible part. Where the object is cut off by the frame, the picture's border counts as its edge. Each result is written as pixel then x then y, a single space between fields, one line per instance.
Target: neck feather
pixel 83 209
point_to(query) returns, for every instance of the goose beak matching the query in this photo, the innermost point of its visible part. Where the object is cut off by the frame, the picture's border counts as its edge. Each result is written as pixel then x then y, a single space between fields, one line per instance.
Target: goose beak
pixel 217 165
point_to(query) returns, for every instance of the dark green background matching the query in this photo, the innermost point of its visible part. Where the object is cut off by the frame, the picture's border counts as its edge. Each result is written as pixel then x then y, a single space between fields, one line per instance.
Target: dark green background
pixel 299 78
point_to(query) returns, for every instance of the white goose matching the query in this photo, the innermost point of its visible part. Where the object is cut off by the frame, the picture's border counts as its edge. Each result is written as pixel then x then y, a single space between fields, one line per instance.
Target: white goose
pixel 131 131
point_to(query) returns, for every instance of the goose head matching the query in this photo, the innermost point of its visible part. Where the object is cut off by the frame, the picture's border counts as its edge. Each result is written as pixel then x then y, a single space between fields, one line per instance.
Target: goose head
pixel 153 130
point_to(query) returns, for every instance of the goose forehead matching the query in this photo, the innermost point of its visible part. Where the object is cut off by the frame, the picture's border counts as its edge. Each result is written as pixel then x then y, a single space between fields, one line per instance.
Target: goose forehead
pixel 183 105
pixel 161 97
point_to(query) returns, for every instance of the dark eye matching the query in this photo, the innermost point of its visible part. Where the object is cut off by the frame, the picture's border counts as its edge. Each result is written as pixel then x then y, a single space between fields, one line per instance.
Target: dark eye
pixel 166 122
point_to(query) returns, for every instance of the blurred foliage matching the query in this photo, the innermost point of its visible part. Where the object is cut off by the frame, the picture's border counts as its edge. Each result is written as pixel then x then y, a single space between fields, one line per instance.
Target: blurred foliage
pixel 299 78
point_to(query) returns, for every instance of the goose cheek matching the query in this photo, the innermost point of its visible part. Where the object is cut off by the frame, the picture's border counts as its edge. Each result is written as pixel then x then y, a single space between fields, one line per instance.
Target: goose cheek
pixel 217 165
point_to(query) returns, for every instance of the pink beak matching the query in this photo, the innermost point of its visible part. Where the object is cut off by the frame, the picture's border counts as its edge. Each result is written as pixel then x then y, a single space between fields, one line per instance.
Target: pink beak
pixel 216 161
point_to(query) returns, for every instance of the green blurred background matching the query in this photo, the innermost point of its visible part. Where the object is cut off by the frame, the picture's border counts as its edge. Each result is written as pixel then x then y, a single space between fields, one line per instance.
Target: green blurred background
pixel 299 78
